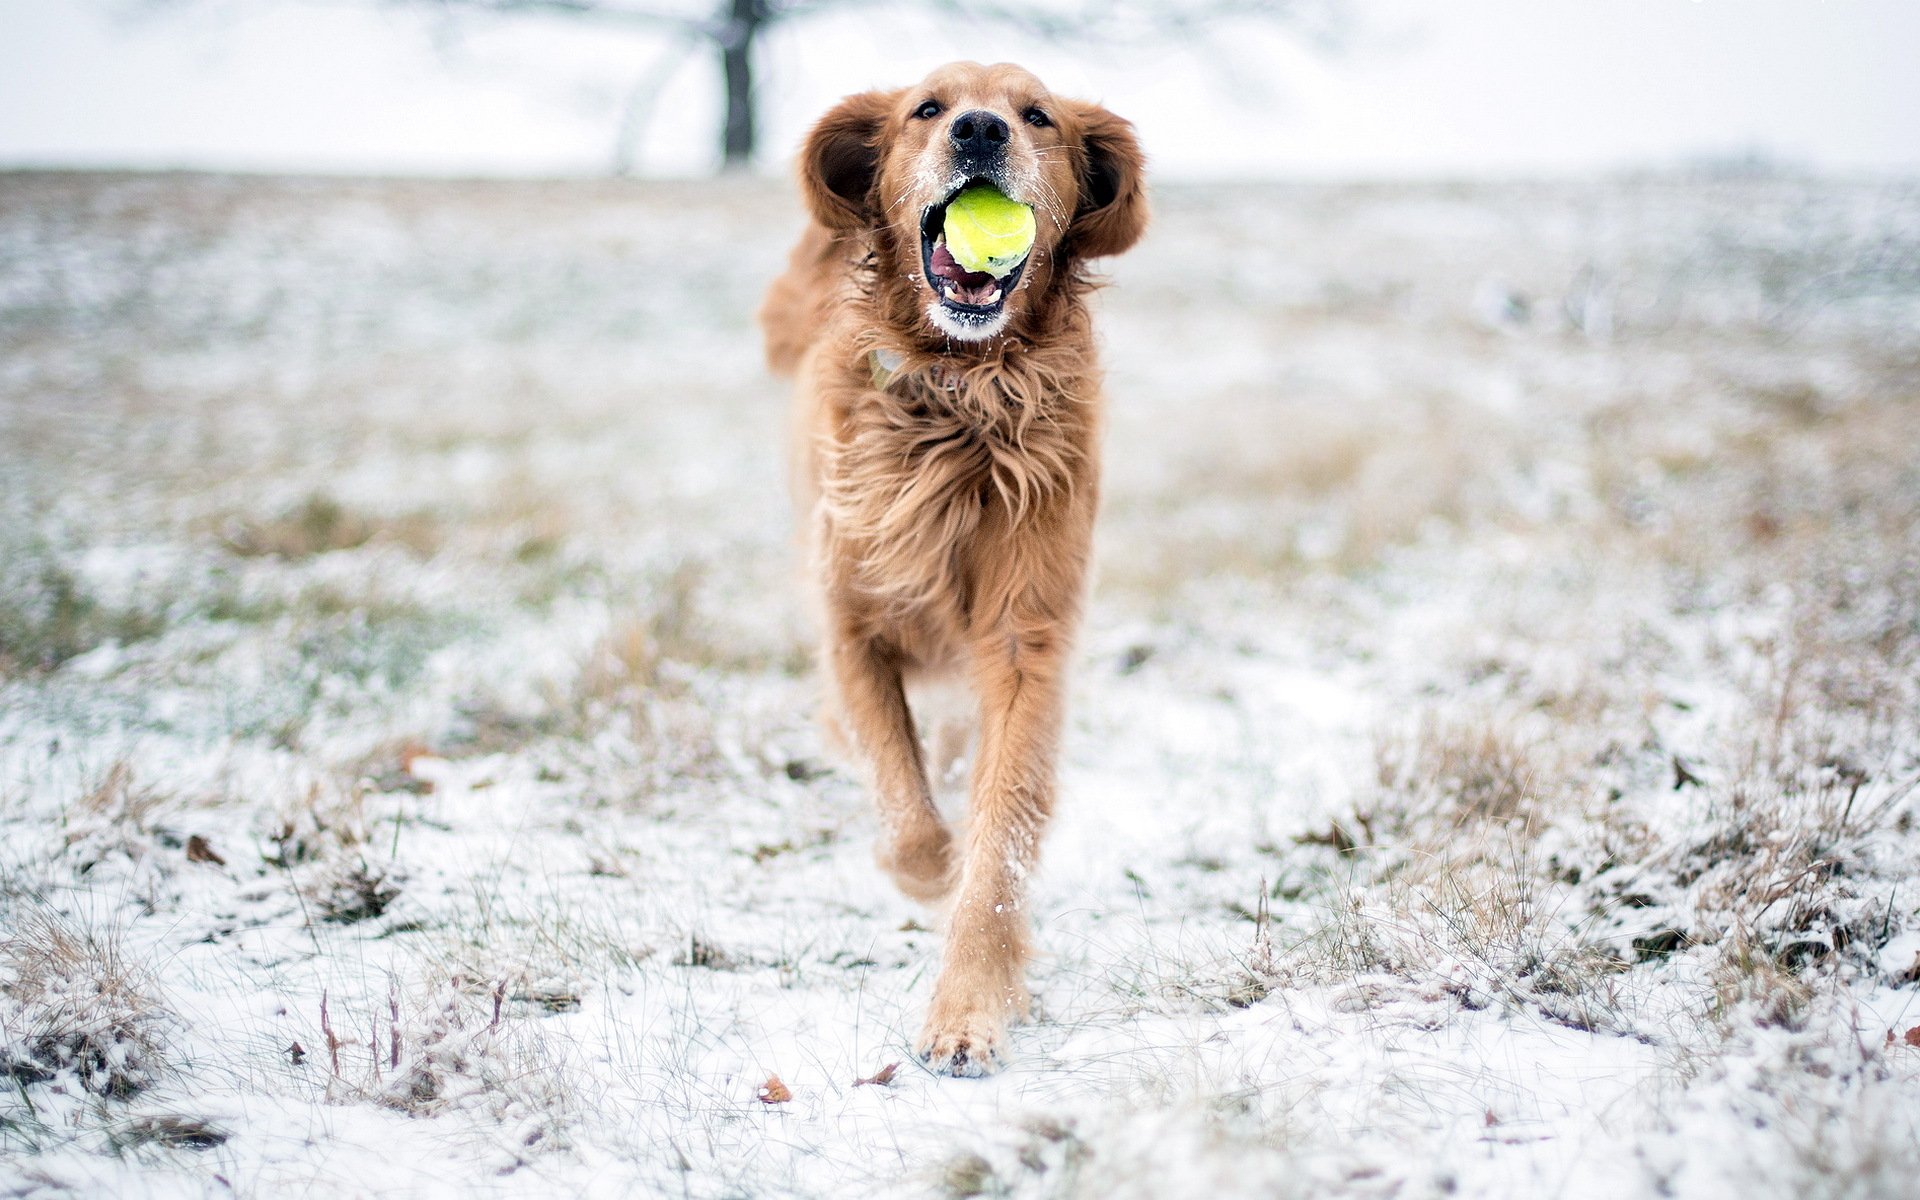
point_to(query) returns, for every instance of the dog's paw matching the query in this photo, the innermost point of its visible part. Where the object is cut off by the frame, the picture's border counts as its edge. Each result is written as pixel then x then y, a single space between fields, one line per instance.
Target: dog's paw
pixel 966 1030
pixel 976 1046
pixel 922 865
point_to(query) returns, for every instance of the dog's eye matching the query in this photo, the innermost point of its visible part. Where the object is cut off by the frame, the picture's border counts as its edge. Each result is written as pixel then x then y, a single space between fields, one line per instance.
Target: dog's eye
pixel 928 110
pixel 1037 118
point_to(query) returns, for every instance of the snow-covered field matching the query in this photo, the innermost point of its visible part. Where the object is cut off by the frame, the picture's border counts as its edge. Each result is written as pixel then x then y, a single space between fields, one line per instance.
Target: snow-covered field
pixel 1492 765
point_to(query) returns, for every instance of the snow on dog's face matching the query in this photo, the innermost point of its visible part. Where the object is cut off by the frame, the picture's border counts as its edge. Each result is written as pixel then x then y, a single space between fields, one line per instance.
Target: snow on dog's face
pixel 892 165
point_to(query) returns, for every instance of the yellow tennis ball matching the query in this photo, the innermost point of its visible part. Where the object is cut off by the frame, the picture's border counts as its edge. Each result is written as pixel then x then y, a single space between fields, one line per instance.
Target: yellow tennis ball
pixel 988 232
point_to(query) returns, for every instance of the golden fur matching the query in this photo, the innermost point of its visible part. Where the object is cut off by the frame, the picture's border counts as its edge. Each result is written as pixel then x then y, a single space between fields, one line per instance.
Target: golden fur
pixel 950 485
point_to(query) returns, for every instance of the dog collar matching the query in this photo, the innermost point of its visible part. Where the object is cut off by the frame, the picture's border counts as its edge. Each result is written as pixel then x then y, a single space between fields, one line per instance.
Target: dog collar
pixel 885 364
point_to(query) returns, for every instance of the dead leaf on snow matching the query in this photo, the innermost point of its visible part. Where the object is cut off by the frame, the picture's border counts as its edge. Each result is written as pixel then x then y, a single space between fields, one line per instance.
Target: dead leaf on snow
pixel 773 1091
pixel 1913 1036
pixel 199 849
pixel 883 1077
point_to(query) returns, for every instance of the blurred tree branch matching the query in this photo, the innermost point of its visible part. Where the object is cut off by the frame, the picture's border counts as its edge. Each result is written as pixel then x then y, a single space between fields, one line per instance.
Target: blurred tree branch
pixel 732 28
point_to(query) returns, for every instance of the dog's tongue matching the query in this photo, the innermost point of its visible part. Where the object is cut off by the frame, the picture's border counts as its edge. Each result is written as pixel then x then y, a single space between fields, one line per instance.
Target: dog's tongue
pixel 969 287
pixel 946 268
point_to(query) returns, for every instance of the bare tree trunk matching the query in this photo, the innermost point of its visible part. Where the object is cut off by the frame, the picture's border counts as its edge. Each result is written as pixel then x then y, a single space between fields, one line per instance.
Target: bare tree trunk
pixel 736 57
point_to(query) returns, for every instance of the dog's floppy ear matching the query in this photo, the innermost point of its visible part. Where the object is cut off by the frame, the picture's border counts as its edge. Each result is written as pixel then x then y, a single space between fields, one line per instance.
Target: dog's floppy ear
pixel 1113 195
pixel 840 161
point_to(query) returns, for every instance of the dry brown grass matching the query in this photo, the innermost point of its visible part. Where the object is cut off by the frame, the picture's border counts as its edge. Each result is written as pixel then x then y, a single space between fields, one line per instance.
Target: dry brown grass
pixel 73 1004
pixel 1456 770
pixel 320 524
pixel 120 818
pixel 49 615
pixel 455 1045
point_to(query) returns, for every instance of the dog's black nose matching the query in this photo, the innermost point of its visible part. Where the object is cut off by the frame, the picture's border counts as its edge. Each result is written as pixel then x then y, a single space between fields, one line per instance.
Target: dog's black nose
pixel 978 132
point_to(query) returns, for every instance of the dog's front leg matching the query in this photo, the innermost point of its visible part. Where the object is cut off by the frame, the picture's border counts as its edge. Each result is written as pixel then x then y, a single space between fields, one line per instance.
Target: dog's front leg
pixel 915 848
pixel 981 987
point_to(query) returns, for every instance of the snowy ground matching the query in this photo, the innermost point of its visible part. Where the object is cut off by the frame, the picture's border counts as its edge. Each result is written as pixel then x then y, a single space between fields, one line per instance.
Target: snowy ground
pixel 1492 766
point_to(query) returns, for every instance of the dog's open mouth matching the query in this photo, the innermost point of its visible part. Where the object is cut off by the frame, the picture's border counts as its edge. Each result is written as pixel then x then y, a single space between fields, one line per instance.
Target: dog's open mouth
pixel 969 297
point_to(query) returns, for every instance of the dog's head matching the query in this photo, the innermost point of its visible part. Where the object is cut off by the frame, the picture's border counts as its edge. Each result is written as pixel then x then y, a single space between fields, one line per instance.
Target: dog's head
pixel 889 163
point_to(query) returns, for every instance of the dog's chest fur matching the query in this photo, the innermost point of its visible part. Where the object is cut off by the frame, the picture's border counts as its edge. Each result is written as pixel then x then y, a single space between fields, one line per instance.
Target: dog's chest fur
pixel 930 476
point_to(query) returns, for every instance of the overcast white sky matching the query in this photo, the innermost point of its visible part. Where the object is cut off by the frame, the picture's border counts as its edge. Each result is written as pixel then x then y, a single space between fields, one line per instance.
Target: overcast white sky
pixel 1443 87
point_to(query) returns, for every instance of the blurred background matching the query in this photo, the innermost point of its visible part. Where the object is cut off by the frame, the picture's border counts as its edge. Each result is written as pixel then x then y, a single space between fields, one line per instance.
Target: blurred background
pixel 1220 88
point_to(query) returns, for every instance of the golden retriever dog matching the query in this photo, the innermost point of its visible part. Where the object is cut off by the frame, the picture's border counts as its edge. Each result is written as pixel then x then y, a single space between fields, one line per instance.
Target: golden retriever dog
pixel 947 426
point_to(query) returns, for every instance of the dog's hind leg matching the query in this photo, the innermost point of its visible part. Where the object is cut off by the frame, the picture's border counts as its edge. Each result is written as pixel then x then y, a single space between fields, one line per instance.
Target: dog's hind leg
pixel 915 847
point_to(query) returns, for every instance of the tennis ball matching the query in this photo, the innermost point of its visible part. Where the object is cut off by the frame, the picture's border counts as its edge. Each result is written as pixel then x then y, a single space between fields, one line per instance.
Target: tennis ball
pixel 988 232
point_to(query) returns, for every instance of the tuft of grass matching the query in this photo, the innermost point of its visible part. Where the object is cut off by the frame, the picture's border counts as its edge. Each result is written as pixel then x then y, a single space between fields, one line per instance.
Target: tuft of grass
pixel 73 1007
pixel 320 826
pixel 48 615
pixel 1753 985
pixel 453 1046
pixel 700 952
pixel 1456 771
pixel 357 893
pixel 320 524
pixel 968 1175
pixel 171 1131
pixel 116 817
